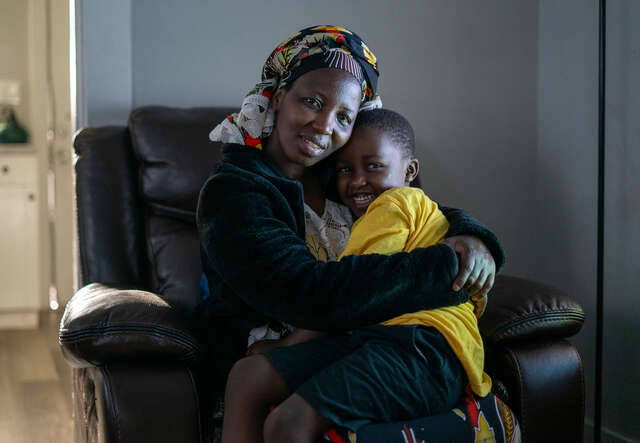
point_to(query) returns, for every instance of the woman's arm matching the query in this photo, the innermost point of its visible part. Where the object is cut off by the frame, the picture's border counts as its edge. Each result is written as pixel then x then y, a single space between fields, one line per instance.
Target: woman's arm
pixel 249 240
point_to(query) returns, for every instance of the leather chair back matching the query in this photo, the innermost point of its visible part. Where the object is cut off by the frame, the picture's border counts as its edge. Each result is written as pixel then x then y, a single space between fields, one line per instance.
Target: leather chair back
pixel 150 174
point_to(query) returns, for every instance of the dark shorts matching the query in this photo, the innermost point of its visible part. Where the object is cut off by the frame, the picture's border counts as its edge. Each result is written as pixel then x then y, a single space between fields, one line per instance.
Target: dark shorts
pixel 377 374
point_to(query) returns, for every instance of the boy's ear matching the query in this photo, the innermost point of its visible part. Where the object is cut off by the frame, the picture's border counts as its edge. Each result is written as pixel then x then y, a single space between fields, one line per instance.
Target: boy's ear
pixel 413 166
pixel 276 99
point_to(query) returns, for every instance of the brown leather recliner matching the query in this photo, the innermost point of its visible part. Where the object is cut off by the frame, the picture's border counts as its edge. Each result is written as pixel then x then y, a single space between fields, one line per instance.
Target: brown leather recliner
pixel 129 332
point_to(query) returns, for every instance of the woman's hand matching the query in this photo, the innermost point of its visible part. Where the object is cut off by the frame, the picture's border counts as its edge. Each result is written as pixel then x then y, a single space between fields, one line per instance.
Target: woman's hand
pixel 477 267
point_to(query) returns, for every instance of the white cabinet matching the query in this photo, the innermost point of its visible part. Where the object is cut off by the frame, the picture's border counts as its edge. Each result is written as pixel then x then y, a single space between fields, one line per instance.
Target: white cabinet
pixel 19 239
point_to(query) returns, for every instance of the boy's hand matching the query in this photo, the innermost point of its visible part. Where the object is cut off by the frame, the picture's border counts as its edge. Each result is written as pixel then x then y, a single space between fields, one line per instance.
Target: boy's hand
pixel 479 305
pixel 477 267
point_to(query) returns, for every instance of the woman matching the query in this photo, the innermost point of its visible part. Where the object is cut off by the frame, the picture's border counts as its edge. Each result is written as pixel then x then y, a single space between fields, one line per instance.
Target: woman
pixel 251 213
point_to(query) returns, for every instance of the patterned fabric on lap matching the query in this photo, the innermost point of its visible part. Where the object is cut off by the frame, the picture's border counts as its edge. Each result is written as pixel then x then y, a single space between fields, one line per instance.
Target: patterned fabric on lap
pixel 482 420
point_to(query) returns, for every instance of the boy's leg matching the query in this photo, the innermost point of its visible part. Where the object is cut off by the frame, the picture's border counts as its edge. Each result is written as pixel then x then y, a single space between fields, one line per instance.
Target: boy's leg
pixel 295 421
pixel 257 382
pixel 252 387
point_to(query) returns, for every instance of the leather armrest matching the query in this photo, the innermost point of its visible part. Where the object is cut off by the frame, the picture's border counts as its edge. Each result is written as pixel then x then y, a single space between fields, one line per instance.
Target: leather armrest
pixel 523 309
pixel 104 324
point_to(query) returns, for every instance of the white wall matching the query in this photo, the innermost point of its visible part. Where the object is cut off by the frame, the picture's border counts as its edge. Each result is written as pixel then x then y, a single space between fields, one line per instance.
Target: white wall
pixel 23 49
pixel 13 52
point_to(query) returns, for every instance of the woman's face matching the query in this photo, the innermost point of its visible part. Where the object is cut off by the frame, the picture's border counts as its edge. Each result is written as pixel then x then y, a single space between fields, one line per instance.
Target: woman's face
pixel 314 117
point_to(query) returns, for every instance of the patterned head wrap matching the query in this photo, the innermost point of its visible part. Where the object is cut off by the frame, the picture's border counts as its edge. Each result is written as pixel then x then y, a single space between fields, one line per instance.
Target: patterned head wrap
pixel 306 50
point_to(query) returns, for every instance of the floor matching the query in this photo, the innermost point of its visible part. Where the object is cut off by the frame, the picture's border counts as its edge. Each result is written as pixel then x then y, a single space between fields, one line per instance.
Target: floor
pixel 35 385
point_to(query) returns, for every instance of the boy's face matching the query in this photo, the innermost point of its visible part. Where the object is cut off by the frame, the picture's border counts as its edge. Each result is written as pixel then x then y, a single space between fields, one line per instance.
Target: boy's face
pixel 369 164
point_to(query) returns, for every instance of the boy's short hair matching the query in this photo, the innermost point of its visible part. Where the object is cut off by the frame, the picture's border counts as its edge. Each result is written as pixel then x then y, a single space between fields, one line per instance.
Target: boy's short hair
pixel 391 123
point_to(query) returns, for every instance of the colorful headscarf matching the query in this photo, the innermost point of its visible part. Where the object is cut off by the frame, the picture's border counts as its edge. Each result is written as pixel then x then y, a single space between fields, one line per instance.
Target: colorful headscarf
pixel 306 50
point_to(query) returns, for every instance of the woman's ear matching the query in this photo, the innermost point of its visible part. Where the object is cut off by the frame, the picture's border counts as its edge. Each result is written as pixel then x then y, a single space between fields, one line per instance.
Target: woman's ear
pixel 276 99
pixel 413 166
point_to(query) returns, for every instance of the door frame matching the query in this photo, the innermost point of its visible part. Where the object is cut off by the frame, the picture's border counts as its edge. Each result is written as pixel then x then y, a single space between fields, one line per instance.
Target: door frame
pixel 52 125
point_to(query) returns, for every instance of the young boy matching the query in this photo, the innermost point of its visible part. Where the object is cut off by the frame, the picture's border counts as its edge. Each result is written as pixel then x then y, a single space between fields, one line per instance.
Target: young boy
pixel 412 365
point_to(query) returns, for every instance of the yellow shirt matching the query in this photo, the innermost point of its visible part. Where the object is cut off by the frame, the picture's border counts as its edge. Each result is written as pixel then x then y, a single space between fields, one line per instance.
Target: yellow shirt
pixel 402 219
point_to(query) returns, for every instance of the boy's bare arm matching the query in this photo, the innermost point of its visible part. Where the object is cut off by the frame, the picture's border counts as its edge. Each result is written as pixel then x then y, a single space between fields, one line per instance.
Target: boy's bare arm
pixel 479 304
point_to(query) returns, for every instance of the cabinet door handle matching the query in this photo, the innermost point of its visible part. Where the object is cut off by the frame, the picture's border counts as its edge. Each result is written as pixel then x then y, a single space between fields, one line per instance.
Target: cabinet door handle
pixel 31 196
pixel 5 169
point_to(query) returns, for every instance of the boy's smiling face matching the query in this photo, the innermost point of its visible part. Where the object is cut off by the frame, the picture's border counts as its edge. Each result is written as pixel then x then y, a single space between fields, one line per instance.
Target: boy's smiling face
pixel 369 164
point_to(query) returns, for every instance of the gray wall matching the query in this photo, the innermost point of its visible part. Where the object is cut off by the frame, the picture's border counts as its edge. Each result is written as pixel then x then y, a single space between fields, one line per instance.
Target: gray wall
pixel 503 97
pixel 104 62
pixel 622 234
pixel 566 161
pixel 464 75
pixel 566 188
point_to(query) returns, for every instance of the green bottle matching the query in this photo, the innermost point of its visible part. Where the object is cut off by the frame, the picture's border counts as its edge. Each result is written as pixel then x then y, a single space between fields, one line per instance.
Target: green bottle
pixel 10 130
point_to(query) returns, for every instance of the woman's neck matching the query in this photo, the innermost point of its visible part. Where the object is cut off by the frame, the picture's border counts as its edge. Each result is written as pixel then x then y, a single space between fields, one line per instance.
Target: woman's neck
pixel 275 154
pixel 311 185
pixel 313 192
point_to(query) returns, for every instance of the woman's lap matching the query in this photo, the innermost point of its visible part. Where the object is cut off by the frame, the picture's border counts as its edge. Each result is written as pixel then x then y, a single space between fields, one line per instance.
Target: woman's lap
pixel 377 374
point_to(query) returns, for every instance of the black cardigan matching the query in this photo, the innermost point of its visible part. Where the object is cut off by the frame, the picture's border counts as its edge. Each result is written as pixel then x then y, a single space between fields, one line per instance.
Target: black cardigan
pixel 251 224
